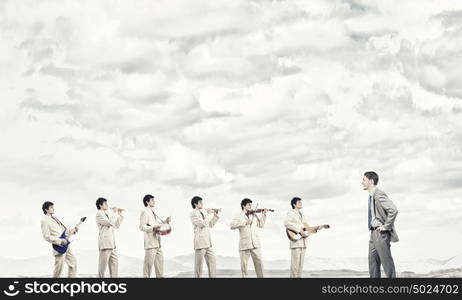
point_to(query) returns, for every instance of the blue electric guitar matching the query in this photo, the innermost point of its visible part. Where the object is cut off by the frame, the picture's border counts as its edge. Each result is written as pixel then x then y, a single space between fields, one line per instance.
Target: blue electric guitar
pixel 63 248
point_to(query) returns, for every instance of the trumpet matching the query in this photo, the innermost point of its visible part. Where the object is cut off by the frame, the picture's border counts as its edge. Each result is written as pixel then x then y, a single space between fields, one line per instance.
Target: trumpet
pixel 215 210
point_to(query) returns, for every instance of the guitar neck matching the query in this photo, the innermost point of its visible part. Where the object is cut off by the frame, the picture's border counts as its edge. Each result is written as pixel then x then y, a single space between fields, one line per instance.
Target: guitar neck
pixel 318 227
pixel 78 224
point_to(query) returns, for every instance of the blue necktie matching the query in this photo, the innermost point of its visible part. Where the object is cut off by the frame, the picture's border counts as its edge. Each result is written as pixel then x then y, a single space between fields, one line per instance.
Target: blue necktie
pixel 369 215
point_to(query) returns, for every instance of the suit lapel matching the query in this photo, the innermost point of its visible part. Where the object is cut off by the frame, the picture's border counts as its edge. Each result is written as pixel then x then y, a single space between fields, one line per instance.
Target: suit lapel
pixel 151 214
pixel 374 204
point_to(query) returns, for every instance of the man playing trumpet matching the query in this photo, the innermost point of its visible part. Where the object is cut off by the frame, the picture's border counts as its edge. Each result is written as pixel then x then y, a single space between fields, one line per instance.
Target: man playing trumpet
pixel 202 220
pixel 106 241
pixel 150 224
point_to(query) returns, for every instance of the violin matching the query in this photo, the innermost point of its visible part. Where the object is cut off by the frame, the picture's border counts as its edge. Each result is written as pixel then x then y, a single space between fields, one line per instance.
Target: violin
pixel 255 211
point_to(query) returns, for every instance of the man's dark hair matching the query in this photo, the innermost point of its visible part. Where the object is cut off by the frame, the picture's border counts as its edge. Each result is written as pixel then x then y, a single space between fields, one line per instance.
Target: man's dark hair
pixel 373 176
pixel 195 200
pixel 147 198
pixel 100 202
pixel 244 202
pixel 294 201
pixel 46 205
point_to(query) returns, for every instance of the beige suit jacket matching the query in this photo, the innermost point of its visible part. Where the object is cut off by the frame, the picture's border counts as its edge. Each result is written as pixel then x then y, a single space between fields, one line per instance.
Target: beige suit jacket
pixel 51 231
pixel 147 221
pixel 294 221
pixel 248 234
pixel 106 224
pixel 201 225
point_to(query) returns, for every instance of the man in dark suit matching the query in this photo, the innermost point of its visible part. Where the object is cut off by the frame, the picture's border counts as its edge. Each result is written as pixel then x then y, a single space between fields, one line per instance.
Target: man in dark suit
pixel 381 218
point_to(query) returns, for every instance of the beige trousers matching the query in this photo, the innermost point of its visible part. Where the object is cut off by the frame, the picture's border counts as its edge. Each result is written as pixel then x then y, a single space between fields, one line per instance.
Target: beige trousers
pixel 210 260
pixel 296 263
pixel 108 257
pixel 257 261
pixel 70 261
pixel 154 257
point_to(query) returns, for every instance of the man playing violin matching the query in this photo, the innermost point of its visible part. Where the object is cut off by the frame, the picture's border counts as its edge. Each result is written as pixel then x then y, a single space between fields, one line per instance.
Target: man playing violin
pixel 150 225
pixel 249 242
pixel 202 220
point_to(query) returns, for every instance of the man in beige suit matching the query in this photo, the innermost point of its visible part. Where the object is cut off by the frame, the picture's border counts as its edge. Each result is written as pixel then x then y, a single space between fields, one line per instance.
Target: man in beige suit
pixel 295 222
pixel 106 241
pixel 149 224
pixel 202 220
pixel 249 241
pixel 52 229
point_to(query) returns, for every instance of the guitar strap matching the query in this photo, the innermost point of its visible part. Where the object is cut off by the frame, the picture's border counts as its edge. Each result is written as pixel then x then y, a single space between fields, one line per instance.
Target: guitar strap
pixel 59 222
pixel 301 219
pixel 156 217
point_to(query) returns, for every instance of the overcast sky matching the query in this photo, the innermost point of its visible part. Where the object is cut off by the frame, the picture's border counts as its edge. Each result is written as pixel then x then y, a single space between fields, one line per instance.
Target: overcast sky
pixel 226 100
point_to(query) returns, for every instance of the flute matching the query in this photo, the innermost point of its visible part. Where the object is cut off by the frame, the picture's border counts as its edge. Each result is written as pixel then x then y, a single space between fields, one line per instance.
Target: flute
pixel 119 209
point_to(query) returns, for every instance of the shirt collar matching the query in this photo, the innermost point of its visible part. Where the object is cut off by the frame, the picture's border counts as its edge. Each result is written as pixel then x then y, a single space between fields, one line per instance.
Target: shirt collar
pixel 52 217
pixel 372 191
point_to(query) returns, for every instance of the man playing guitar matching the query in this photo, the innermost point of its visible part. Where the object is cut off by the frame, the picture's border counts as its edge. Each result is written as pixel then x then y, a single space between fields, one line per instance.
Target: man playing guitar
pixel 298 230
pixel 52 230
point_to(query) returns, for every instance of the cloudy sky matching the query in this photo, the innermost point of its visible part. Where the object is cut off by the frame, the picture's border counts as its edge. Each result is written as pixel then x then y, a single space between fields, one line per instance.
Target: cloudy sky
pixel 232 99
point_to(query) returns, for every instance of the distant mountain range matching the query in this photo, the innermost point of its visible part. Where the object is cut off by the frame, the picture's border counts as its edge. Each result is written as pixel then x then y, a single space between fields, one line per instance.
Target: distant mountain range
pixel 182 266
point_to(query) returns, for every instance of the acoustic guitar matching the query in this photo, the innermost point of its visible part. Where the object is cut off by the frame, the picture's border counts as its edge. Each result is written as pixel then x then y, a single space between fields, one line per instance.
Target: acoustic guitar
pixel 63 248
pixel 295 236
